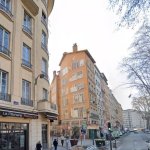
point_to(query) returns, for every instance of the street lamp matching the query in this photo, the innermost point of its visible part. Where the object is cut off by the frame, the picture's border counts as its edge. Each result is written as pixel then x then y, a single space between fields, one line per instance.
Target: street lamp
pixel 39 76
pixel 35 83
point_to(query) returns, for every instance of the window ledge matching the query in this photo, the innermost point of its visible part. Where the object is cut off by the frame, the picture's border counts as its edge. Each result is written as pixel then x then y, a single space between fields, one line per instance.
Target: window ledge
pixel 5 56
pixel 26 68
pixel 45 49
pixel 44 23
pixel 26 33
pixel 7 15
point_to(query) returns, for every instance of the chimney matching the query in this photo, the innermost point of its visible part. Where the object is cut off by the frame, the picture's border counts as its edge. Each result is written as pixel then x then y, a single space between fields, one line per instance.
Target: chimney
pixel 75 47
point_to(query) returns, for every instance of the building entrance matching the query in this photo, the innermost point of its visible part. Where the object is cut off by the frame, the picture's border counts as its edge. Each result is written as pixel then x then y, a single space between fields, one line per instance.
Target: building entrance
pixel 14 136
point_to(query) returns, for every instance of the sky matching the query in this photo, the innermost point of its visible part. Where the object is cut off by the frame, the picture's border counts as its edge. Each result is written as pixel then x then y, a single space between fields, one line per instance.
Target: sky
pixel 91 25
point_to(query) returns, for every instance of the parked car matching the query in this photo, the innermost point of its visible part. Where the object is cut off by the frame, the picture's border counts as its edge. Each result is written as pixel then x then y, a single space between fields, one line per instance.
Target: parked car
pixel 148 144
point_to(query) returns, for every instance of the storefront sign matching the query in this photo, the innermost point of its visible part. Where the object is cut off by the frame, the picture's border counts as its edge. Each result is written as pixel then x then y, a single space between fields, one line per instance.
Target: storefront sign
pixel 12 114
pixel 20 114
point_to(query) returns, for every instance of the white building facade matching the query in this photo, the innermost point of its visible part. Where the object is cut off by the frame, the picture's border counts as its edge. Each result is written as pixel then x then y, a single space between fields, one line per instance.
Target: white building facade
pixel 133 120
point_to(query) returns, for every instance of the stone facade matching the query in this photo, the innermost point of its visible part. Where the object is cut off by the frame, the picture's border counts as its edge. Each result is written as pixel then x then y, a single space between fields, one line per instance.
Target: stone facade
pixel 24 82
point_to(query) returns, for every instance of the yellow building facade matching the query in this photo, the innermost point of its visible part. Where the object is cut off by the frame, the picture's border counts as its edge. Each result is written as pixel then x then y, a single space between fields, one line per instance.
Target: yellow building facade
pixel 25 109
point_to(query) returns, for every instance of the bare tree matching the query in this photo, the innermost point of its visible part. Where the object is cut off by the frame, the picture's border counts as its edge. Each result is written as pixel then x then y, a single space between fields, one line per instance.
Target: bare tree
pixel 137 65
pixel 130 11
pixel 142 105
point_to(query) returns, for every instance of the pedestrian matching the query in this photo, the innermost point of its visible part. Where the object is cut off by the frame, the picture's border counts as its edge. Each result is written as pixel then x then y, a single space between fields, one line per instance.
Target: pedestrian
pixel 67 143
pixel 62 140
pixel 55 143
pixel 38 146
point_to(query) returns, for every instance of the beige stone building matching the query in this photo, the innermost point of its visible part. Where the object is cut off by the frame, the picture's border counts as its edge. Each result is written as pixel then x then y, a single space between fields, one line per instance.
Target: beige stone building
pixel 116 116
pixel 25 109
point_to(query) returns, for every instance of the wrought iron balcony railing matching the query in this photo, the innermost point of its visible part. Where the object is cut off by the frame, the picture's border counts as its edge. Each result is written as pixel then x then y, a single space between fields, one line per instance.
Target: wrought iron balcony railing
pixel 4 50
pixel 6 10
pixel 5 97
pixel 26 63
pixel 44 46
pixel 27 30
pixel 44 22
pixel 27 102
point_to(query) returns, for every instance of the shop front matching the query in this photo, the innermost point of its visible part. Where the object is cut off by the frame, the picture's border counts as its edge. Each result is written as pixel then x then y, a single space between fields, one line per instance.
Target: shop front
pixel 14 129
pixel 14 136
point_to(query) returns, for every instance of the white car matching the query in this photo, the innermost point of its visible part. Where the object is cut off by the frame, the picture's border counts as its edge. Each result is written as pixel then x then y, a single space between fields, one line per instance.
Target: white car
pixel 148 144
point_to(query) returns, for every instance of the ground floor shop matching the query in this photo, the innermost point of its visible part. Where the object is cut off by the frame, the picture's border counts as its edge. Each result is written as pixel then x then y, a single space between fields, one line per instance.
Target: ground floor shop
pixel 22 130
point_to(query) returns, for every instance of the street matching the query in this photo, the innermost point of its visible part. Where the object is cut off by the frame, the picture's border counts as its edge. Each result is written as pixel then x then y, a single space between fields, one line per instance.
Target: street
pixel 133 141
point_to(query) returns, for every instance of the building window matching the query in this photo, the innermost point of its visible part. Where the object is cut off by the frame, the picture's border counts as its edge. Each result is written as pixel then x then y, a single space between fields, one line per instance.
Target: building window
pixel 44 41
pixel 44 19
pixel 14 136
pixel 78 112
pixel 44 68
pixel 44 136
pixel 77 63
pixel 26 93
pixel 79 98
pixel 4 41
pixel 26 56
pixel 4 86
pixel 27 24
pixel 5 5
pixel 65 101
pixel 45 94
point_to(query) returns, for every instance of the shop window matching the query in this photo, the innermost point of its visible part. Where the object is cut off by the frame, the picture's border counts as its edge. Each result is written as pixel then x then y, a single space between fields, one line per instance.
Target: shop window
pixel 44 136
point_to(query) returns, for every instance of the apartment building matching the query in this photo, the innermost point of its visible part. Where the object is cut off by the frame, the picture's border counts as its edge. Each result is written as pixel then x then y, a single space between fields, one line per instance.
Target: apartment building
pixel 116 117
pixel 25 109
pixel 82 93
pixel 132 119
pixel 54 96
pixel 105 96
pixel 77 97
pixel 99 97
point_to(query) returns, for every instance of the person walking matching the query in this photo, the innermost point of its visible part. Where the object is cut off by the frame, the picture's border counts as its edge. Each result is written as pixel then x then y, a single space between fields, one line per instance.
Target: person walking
pixel 38 146
pixel 62 140
pixel 67 143
pixel 55 143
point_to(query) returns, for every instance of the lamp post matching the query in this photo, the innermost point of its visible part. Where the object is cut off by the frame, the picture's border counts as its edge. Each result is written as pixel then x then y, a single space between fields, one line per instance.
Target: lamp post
pixel 39 76
pixel 35 83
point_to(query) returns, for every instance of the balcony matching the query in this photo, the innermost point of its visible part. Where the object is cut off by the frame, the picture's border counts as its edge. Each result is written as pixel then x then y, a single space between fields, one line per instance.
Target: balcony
pixel 27 30
pixel 4 50
pixel 26 63
pixel 44 21
pixel 46 106
pixel 5 97
pixel 32 6
pixel 6 10
pixel 26 102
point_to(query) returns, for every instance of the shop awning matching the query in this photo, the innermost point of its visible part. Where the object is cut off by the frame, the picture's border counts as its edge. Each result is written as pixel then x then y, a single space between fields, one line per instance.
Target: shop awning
pixel 16 113
pixel 51 116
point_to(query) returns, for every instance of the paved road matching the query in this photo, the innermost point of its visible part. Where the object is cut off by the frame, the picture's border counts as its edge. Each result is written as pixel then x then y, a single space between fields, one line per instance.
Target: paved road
pixel 134 141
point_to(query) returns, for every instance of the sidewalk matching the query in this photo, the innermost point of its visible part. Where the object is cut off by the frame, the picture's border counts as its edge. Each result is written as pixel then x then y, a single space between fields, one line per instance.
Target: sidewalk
pixel 86 142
